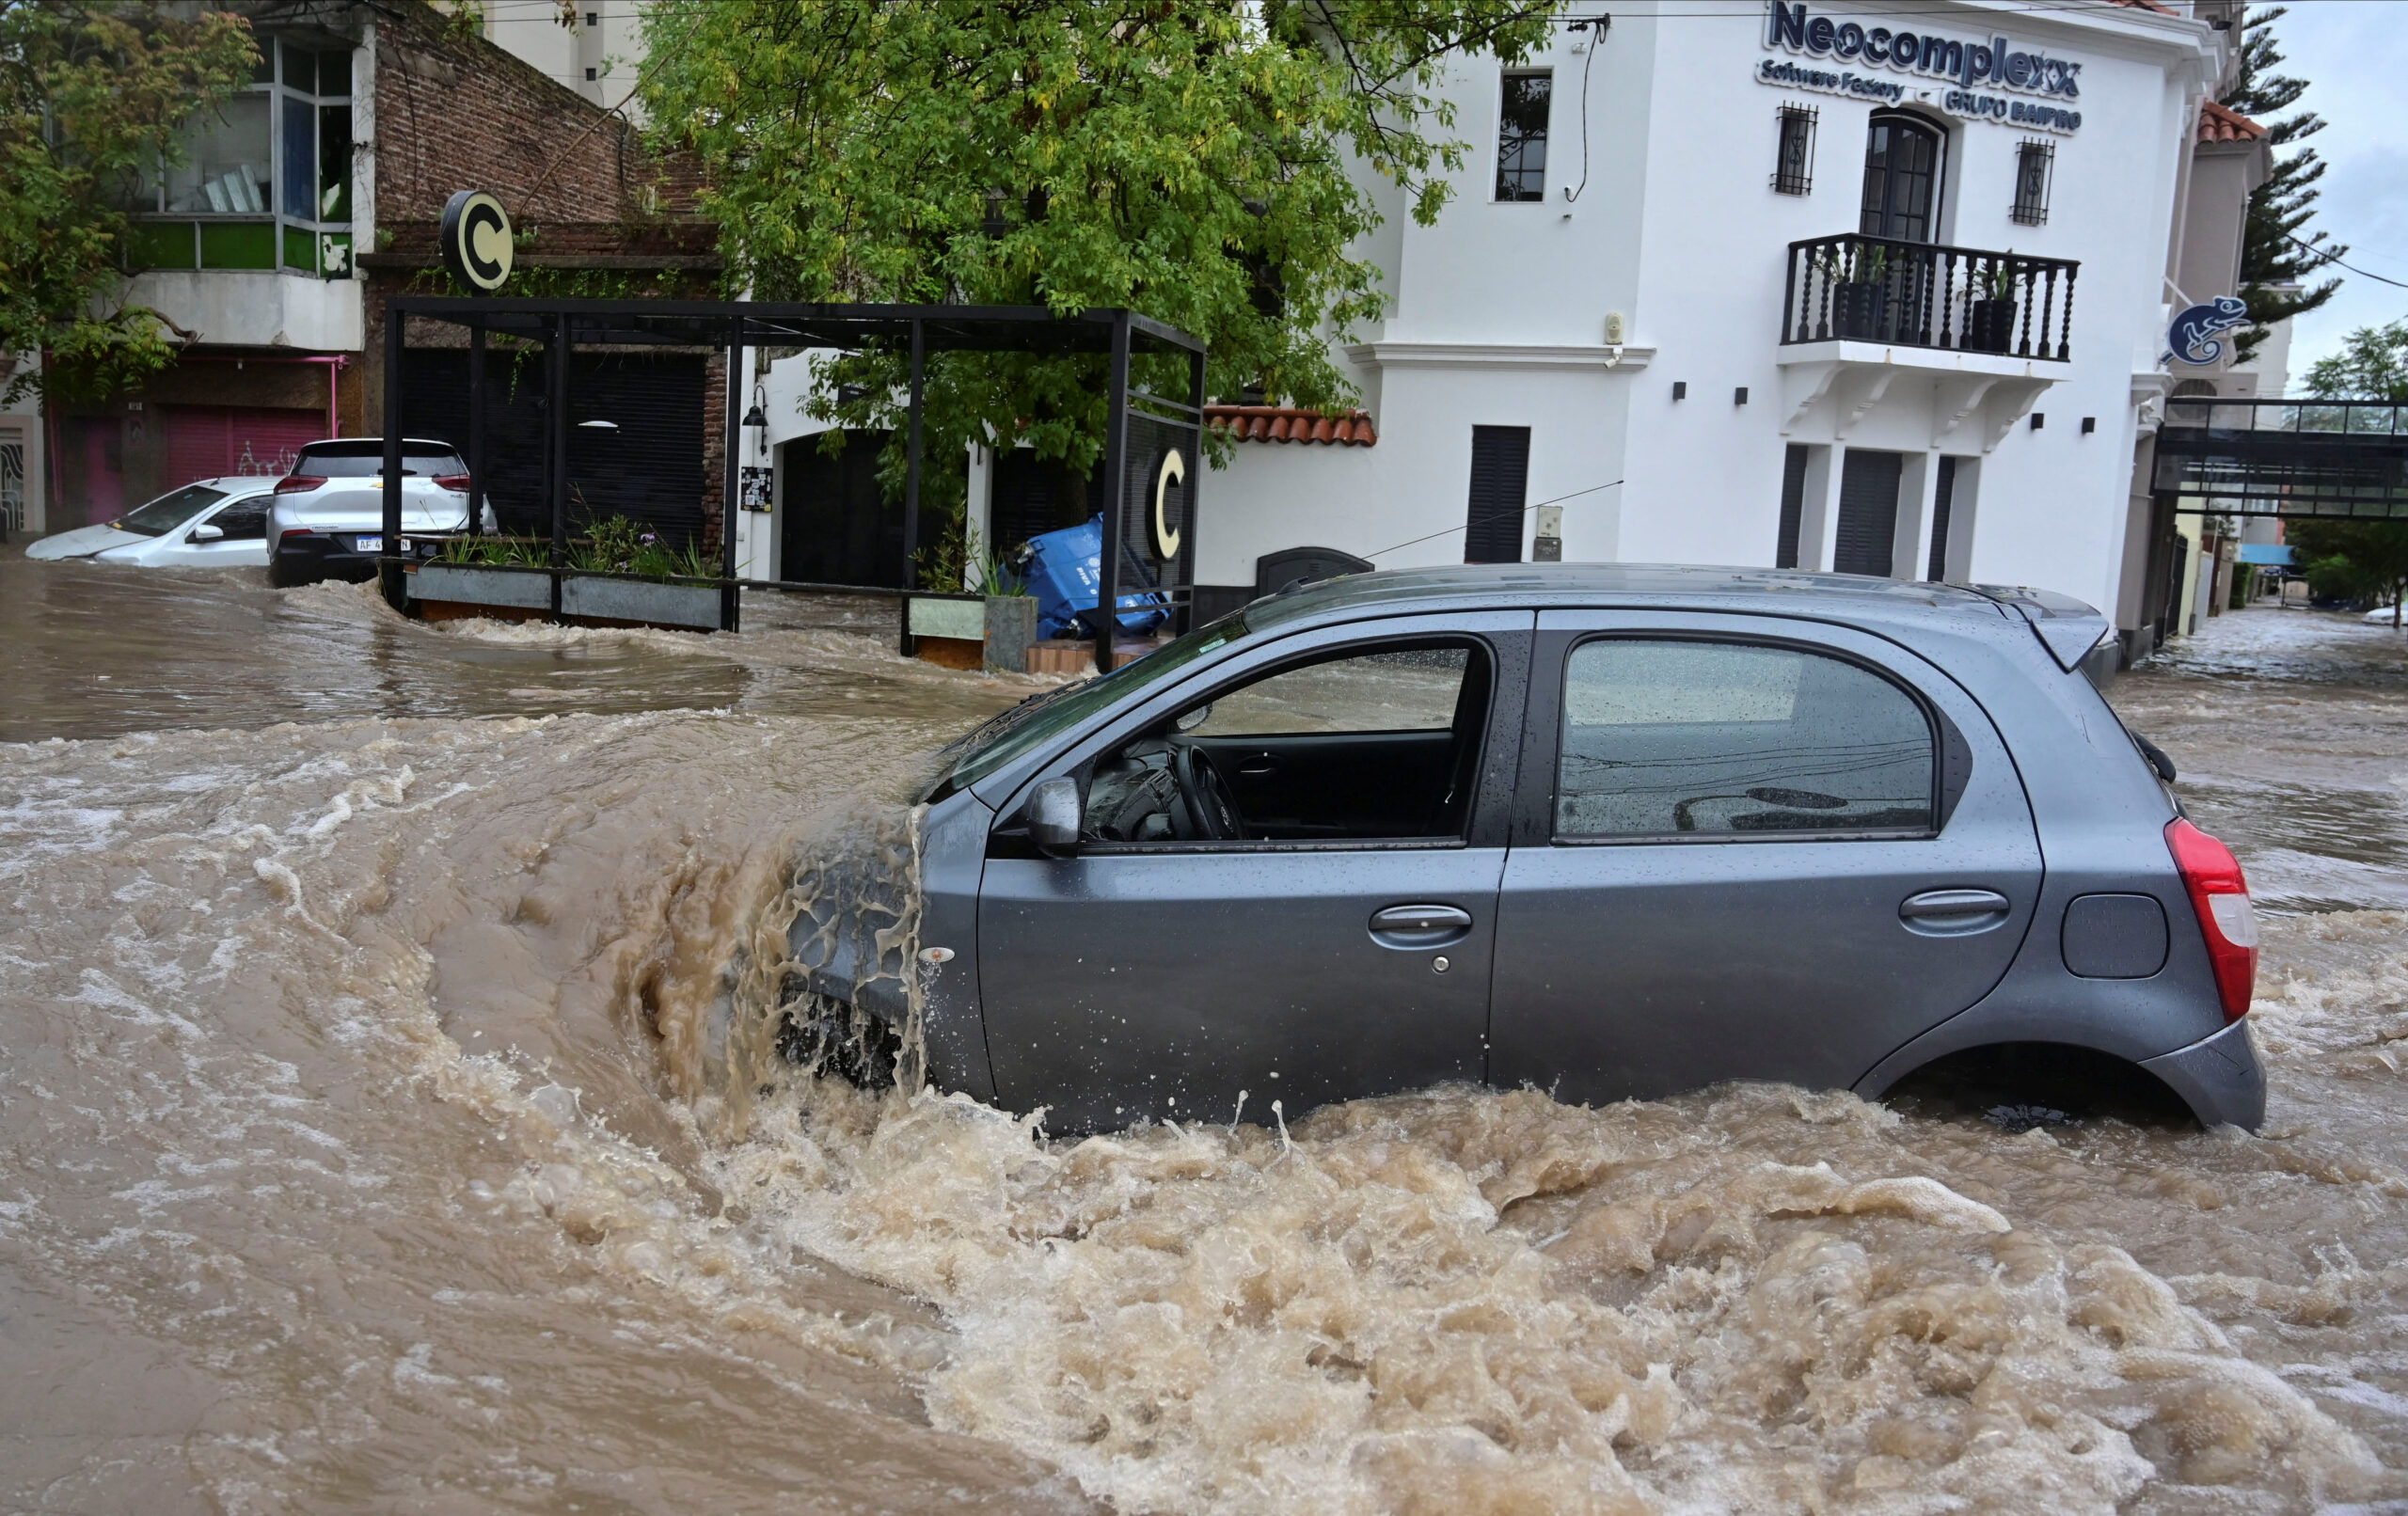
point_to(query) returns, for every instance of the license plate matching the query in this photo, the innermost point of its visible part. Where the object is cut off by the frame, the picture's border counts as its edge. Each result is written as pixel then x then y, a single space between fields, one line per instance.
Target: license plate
pixel 402 542
pixel 367 545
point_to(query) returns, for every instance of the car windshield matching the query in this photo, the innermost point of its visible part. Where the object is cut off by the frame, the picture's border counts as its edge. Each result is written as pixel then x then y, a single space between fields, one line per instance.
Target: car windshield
pixel 365 460
pixel 170 511
pixel 1031 722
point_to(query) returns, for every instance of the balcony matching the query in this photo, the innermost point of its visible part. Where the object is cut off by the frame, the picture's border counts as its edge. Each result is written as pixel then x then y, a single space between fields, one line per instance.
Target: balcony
pixel 1875 331
pixel 1855 289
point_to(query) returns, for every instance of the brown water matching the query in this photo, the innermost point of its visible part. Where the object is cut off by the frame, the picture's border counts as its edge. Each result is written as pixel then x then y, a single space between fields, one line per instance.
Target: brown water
pixel 365 1144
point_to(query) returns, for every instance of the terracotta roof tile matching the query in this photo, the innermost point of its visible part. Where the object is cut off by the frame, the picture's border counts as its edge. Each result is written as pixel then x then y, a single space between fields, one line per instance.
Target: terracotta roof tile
pixel 2218 123
pixel 1291 423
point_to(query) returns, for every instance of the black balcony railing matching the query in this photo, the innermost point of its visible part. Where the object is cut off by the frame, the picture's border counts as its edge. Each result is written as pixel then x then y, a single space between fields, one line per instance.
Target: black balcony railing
pixel 1922 294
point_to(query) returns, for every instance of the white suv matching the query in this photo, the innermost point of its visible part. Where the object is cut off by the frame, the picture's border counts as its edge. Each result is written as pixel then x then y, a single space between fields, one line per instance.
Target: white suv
pixel 328 520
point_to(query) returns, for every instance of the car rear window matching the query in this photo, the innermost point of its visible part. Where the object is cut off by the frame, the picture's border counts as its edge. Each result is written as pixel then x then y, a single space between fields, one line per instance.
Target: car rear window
pixel 364 460
pixel 1666 738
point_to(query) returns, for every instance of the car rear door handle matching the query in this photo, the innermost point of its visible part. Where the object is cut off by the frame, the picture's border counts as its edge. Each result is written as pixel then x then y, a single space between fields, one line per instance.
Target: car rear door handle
pixel 1949 912
pixel 1419 927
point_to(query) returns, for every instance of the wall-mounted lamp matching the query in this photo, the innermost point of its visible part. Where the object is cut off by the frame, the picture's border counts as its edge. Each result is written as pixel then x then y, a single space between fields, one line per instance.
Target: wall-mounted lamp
pixel 2038 420
pixel 756 421
pixel 2089 424
pixel 1739 396
pixel 1679 389
pixel 597 426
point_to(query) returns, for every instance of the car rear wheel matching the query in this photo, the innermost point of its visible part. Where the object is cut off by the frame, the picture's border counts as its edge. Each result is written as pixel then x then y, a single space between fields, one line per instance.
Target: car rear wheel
pixel 286 574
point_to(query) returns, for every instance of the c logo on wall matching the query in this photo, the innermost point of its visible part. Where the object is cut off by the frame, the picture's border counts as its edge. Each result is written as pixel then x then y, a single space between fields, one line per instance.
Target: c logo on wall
pixel 1166 518
pixel 2192 335
pixel 475 241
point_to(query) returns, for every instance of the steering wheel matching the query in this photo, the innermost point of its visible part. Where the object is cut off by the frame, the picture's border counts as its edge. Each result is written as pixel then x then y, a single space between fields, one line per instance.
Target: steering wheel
pixel 1211 808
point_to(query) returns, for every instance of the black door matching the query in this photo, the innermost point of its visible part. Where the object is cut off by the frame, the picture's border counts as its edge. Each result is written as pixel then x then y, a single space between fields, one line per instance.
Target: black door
pixel 1902 160
pixel 839 526
pixel 1500 471
pixel 1868 512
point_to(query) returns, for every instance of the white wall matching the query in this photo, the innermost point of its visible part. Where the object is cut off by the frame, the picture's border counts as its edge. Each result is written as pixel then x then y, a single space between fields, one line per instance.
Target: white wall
pixel 1680 229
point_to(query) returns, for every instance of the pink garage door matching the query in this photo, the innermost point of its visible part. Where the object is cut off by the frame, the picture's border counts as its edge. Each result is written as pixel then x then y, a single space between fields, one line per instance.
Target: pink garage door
pixel 204 441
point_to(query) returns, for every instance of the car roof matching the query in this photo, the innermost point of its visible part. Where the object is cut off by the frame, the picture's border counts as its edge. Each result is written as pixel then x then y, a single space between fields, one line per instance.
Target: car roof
pixel 236 484
pixel 2065 625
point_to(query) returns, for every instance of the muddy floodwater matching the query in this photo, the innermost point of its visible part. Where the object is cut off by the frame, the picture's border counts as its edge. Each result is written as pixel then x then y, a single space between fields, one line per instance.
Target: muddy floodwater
pixel 367 1144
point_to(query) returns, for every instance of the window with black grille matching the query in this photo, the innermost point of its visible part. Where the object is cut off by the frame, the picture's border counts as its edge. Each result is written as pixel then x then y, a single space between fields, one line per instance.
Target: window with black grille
pixel 1521 136
pixel 1794 169
pixel 1501 474
pixel 2034 166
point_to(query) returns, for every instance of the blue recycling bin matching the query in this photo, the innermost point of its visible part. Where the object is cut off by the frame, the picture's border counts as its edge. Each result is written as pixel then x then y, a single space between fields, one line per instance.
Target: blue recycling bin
pixel 1064 571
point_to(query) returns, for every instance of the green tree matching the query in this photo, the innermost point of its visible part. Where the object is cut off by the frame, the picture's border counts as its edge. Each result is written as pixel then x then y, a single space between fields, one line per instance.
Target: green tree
pixel 2371 365
pixel 2273 261
pixel 1212 163
pixel 92 93
pixel 2353 560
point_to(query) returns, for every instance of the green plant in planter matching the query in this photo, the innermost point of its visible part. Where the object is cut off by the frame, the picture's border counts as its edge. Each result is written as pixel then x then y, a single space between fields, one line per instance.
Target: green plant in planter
pixel 506 552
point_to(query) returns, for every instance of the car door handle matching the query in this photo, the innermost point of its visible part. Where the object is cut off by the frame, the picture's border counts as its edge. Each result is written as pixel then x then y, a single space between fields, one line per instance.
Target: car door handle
pixel 1419 927
pixel 1949 912
pixel 1256 767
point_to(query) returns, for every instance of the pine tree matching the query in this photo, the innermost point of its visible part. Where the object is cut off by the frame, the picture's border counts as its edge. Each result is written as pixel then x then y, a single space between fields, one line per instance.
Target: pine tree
pixel 2271 254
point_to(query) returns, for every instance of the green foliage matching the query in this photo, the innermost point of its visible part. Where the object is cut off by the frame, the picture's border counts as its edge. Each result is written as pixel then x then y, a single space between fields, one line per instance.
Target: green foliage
pixel 1197 160
pixel 2371 365
pixel 505 552
pixel 614 545
pixel 2280 208
pixel 92 93
pixel 2353 560
pixel 959 558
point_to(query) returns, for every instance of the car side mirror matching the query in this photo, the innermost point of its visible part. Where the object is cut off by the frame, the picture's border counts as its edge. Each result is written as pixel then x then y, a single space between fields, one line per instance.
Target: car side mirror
pixel 207 533
pixel 1053 815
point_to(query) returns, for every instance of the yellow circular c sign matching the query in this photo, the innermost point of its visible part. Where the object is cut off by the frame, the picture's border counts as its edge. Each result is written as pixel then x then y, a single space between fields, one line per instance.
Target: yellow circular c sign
pixel 1158 523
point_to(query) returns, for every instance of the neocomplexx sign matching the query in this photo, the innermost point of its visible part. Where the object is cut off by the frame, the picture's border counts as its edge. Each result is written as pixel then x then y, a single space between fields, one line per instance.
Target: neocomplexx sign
pixel 1994 62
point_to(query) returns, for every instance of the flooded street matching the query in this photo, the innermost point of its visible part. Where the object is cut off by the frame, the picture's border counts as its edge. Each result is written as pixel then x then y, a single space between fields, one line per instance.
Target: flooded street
pixel 367 1142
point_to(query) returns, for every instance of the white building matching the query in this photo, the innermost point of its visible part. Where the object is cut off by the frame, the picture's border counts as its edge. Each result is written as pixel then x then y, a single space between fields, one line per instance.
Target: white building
pixel 1878 288
pixel 1639 343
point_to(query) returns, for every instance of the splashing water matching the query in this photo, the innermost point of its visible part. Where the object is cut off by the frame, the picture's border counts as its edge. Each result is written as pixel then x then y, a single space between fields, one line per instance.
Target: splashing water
pixel 398 1115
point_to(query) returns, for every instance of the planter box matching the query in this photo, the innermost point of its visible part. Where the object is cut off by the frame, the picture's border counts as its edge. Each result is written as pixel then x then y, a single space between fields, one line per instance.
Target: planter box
pixel 1011 631
pixel 949 631
pixel 611 602
pixel 1856 311
pixel 447 591
pixel 1991 328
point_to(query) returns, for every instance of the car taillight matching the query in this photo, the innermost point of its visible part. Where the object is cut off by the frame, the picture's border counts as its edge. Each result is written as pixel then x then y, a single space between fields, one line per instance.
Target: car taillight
pixel 290 533
pixel 2220 898
pixel 453 482
pixel 292 483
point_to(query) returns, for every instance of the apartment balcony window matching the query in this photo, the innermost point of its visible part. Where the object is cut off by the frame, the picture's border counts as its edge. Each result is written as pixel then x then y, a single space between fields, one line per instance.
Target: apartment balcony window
pixel 1854 287
pixel 266 184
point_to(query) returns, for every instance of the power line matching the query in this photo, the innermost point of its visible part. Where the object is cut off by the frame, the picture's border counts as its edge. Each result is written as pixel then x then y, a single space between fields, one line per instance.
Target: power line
pixel 2335 260
pixel 1494 516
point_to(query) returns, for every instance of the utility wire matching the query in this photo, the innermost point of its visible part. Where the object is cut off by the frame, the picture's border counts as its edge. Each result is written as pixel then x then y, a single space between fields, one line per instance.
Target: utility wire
pixel 1596 27
pixel 2335 259
pixel 1494 516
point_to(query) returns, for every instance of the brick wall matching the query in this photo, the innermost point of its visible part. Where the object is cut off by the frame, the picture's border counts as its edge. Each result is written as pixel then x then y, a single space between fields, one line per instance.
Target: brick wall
pixel 456 113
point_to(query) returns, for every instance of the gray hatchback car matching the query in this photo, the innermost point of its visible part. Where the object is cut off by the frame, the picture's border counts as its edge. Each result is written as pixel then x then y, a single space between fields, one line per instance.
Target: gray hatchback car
pixel 1613 832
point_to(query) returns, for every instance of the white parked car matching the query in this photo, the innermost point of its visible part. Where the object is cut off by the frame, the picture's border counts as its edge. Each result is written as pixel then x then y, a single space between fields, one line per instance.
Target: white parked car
pixel 212 523
pixel 328 519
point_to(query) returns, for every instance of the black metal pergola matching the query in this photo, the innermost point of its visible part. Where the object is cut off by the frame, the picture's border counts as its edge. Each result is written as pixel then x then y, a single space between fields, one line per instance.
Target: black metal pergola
pixel 2290 459
pixel 1140 427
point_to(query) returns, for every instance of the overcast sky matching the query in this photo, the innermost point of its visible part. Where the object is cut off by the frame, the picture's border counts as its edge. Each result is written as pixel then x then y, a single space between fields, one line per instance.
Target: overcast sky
pixel 2352 53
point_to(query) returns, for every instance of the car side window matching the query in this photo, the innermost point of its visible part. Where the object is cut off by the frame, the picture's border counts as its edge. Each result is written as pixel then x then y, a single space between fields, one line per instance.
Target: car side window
pixel 244 520
pixel 1365 744
pixel 1674 738
pixel 1412 690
